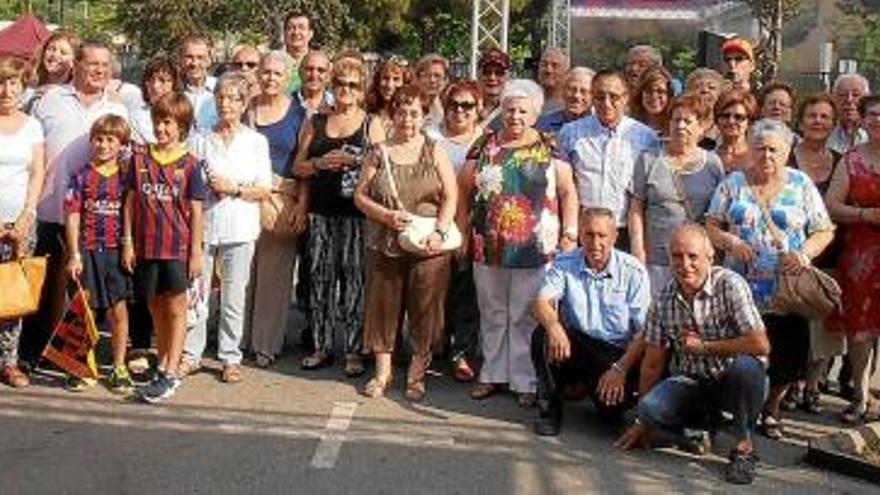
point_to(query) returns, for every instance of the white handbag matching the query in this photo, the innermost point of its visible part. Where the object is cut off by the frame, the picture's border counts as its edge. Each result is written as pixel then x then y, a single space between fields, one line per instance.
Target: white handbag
pixel 414 237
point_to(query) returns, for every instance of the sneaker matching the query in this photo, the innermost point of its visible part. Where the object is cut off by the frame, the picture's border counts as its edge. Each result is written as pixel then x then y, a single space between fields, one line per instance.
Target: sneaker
pixel 159 389
pixel 741 469
pixel 139 365
pixel 119 381
pixel 14 377
pixel 77 384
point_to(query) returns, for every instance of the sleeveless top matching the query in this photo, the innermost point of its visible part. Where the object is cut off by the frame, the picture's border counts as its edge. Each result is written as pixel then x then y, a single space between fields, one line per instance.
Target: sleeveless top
pixel 326 193
pixel 282 136
pixel 419 189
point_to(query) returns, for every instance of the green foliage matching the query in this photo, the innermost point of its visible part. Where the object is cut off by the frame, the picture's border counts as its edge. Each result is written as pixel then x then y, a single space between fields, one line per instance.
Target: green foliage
pixel 857 36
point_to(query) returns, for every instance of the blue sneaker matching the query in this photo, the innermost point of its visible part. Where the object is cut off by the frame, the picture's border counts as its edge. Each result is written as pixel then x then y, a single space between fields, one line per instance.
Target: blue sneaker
pixel 161 388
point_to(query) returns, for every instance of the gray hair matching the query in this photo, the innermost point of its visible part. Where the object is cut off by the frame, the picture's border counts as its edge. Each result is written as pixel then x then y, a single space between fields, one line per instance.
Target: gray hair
pixel 767 128
pixel 589 212
pixel 703 73
pixel 651 51
pixel 580 71
pixel 691 229
pixel 234 80
pixel 558 52
pixel 524 88
pixel 277 56
pixel 866 86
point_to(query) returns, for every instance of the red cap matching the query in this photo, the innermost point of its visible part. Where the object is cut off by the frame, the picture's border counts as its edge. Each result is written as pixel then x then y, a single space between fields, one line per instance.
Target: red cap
pixel 738 45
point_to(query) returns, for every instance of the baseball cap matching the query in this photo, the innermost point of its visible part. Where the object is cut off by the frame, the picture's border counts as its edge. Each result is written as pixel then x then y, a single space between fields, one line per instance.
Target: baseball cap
pixel 738 45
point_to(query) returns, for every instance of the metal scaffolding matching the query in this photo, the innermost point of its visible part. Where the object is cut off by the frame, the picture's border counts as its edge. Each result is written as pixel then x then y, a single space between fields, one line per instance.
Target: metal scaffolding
pixel 488 28
pixel 560 26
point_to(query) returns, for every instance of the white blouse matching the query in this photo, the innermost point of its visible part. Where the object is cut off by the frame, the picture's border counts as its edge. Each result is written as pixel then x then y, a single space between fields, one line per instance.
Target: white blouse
pixel 244 160
pixel 16 155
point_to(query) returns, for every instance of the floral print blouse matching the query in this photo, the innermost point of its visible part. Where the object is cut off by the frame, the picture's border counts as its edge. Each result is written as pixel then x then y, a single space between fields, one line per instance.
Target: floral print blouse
pixel 797 210
pixel 515 213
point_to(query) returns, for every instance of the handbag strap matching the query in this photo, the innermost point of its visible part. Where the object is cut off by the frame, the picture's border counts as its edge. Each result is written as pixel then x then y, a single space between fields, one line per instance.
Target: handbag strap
pixel 386 169
pixel 768 219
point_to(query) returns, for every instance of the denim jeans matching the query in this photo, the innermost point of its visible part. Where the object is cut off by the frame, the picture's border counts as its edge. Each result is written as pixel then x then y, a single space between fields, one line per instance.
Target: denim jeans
pixel 235 269
pixel 682 401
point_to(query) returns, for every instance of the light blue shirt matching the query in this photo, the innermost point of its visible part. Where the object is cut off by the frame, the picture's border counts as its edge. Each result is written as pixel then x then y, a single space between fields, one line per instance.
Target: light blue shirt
pixel 603 158
pixel 609 305
pixel 204 106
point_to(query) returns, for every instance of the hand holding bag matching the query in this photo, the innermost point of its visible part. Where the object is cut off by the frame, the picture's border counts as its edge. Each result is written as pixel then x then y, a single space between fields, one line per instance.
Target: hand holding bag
pixel 414 237
pixel 22 283
pixel 277 209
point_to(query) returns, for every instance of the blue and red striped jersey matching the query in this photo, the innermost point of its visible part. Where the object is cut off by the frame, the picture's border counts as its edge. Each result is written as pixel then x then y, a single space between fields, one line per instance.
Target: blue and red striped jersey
pixel 163 192
pixel 96 193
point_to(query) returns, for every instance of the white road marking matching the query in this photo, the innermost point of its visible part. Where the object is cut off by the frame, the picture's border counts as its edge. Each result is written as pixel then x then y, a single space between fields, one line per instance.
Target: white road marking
pixel 327 451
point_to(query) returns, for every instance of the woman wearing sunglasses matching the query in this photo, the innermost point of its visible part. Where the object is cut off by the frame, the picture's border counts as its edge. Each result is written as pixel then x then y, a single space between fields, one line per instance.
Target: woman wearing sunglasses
pixel 734 110
pixel 331 148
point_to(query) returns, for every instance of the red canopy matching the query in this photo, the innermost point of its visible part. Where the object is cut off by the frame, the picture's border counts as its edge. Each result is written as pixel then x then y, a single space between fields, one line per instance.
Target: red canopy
pixel 23 37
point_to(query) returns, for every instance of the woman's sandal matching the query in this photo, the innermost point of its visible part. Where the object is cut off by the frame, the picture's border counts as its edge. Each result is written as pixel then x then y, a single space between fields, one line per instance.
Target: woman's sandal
pixel 354 365
pixel 317 360
pixel 415 378
pixel 376 387
pixel 771 427
pixel 483 390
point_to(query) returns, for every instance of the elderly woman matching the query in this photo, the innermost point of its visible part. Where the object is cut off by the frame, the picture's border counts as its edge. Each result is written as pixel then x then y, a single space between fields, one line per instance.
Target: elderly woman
pixel 22 170
pixel 517 201
pixel 159 78
pixel 777 102
pixel 650 104
pixel 734 110
pixel 765 202
pixel 239 172
pixel 671 187
pixel 275 115
pixel 813 157
pixel 331 148
pixel 708 85
pixel 854 200
pixel 390 75
pixel 401 282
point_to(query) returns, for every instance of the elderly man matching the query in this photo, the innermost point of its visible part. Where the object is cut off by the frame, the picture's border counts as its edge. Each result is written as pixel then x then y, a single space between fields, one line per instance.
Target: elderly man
pixel 738 62
pixel 298 33
pixel 194 54
pixel 66 113
pixel 639 59
pixel 246 61
pixel 849 89
pixel 591 306
pixel 315 71
pixel 603 147
pixel 552 70
pixel 706 321
pixel 576 98
pixel 493 74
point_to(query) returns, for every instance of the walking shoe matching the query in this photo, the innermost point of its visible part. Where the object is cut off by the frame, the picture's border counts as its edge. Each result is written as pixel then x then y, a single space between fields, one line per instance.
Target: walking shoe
pixel 741 469
pixel 77 384
pixel 119 381
pixel 14 377
pixel 549 420
pixel 159 389
pixel 354 365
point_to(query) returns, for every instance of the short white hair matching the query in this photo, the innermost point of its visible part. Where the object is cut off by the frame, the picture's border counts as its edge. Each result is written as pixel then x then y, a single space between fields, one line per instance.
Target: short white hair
pixel 651 51
pixel 278 56
pixel 524 88
pixel 770 128
pixel 866 86
pixel 580 71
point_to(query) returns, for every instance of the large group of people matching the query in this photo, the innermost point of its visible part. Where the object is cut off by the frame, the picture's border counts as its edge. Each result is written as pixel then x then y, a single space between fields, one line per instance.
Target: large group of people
pixel 556 239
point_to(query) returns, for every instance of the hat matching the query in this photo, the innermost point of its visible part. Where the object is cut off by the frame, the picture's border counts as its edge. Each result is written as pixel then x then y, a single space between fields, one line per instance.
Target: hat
pixel 738 45
pixel 494 56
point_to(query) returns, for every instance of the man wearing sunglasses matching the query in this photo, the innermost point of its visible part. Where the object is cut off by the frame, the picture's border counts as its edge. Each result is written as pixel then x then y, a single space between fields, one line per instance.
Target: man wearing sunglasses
pixel 494 72
pixel 738 62
pixel 246 61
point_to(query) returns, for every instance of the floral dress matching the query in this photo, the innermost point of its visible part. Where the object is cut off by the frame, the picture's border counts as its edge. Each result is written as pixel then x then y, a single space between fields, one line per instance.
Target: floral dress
pixel 859 262
pixel 797 210
pixel 515 214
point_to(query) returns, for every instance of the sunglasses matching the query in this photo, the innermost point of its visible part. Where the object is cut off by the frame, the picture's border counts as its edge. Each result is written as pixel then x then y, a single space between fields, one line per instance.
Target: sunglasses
pixel 462 105
pixel 245 65
pixel 350 85
pixel 736 117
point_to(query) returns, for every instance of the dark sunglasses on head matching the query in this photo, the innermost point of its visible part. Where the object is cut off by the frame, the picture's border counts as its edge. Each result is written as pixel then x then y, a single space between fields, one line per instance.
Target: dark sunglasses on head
pixel 245 65
pixel 462 105
pixel 351 85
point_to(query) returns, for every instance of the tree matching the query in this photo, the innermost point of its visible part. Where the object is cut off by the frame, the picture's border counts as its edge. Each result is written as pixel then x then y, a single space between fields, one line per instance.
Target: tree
pixel 771 14
pixel 857 35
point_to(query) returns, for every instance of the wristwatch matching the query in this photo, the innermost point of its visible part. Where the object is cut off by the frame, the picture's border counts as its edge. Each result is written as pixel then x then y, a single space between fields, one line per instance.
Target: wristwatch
pixel 442 233
pixel 571 234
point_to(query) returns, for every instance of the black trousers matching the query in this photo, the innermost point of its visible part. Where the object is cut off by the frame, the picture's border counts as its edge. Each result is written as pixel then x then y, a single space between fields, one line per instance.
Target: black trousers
pixel 39 326
pixel 590 358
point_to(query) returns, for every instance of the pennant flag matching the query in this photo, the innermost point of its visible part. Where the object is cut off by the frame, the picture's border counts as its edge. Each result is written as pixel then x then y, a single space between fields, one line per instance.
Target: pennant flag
pixel 72 346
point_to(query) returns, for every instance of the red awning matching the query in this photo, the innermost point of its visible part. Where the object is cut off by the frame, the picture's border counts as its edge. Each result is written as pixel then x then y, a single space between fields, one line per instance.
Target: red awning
pixel 23 37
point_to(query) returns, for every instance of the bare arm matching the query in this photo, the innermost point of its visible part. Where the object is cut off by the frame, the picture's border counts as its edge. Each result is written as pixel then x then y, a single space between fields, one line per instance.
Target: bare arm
pixel 835 198
pixel 373 210
pixel 449 204
pixel 128 259
pixel 559 347
pixel 194 267
pixel 302 167
pixel 636 225
pixel 652 368
pixel 568 200
pixel 753 343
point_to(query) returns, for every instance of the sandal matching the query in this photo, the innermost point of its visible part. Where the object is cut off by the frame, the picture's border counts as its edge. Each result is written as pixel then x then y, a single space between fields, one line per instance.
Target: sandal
pixel 526 399
pixel 187 367
pixel 415 378
pixel 264 360
pixel 852 415
pixel 771 427
pixel 317 360
pixel 462 371
pixel 810 402
pixel 483 390
pixel 354 365
pixel 231 374
pixel 376 387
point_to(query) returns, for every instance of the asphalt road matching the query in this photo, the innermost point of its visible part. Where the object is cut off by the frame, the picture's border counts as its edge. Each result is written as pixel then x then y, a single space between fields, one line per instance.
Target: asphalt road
pixel 288 431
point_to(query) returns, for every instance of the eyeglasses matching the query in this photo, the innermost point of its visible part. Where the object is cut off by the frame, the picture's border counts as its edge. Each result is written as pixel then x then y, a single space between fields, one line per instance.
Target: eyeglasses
pixel 350 85
pixel 736 117
pixel 245 65
pixel 602 96
pixel 462 105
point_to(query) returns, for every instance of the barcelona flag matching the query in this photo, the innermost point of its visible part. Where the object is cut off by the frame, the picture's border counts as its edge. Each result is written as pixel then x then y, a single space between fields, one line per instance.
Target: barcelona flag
pixel 72 346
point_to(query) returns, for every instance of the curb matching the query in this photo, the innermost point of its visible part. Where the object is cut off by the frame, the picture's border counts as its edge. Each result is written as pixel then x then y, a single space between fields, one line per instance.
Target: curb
pixel 841 452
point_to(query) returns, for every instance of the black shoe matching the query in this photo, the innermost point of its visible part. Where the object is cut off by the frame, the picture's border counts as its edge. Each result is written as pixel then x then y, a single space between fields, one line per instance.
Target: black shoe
pixel 741 469
pixel 549 422
pixel 696 442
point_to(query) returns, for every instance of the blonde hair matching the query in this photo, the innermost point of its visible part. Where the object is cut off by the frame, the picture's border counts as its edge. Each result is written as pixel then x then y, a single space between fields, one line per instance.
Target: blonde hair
pixel 13 67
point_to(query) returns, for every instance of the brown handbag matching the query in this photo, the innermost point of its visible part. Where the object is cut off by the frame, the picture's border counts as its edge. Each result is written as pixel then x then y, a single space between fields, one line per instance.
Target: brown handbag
pixel 810 293
pixel 277 209
pixel 22 283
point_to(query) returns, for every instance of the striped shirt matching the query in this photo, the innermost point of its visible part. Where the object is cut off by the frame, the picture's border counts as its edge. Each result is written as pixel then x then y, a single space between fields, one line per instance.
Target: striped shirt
pixel 163 189
pixel 722 310
pixel 96 194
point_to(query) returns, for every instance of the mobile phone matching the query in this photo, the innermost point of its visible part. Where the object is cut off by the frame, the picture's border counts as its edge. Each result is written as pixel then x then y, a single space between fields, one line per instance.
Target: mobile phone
pixel 352 149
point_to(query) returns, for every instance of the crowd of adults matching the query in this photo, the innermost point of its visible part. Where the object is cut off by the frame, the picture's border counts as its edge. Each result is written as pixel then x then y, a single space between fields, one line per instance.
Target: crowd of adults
pixel 593 207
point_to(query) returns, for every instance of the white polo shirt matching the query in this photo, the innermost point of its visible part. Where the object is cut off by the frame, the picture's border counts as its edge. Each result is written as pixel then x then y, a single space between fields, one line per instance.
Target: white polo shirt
pixel 244 160
pixel 66 124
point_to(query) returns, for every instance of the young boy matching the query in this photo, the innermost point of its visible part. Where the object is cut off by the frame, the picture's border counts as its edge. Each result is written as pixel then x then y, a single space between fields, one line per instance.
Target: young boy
pixel 93 225
pixel 162 225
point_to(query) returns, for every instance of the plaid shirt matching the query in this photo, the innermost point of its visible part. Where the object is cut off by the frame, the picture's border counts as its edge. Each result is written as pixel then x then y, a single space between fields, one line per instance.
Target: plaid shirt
pixel 722 310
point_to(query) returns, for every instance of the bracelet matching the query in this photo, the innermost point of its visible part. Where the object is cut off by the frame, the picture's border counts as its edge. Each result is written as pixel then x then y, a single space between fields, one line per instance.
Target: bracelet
pixel 616 366
pixel 76 256
pixel 125 240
